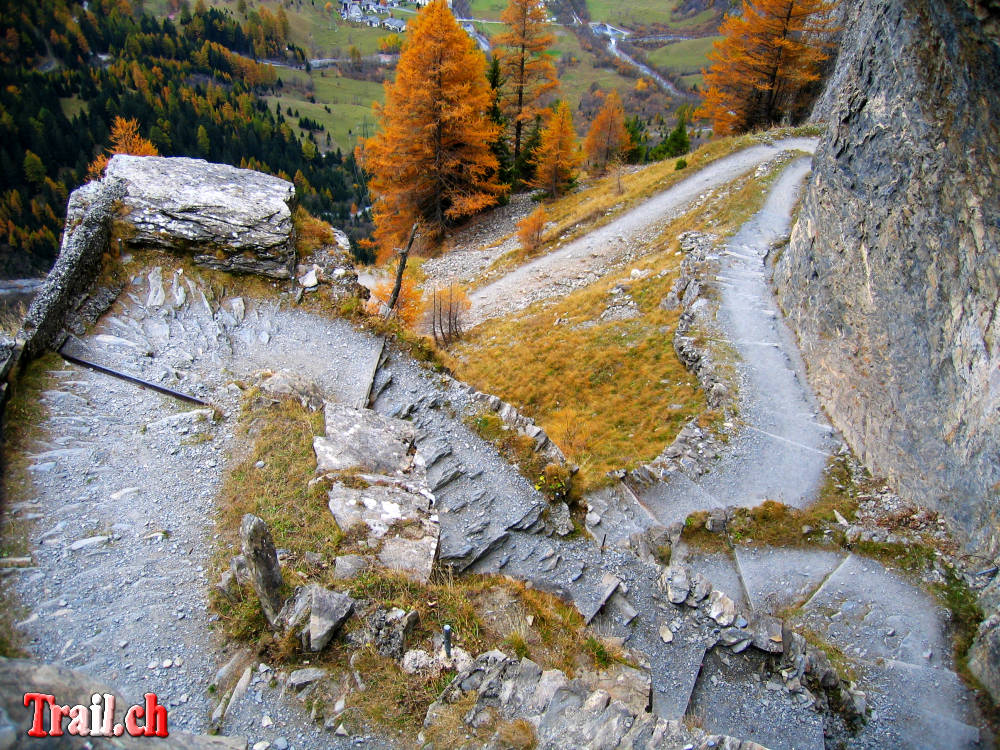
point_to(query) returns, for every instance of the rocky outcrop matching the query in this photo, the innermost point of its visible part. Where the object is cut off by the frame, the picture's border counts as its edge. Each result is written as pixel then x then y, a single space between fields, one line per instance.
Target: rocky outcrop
pixel 892 275
pixel 552 711
pixel 229 219
pixel 84 242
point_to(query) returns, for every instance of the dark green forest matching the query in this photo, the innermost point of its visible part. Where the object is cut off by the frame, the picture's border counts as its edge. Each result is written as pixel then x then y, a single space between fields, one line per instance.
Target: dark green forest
pixel 192 84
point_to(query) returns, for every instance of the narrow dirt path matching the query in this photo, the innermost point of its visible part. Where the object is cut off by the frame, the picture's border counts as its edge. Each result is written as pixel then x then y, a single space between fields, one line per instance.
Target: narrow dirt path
pixel 894 632
pixel 783 443
pixel 559 272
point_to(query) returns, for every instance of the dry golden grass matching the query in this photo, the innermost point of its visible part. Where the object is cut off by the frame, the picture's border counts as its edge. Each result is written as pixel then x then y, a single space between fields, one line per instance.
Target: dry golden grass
pixel 11 318
pixel 484 611
pixel 310 233
pixel 773 524
pixel 610 394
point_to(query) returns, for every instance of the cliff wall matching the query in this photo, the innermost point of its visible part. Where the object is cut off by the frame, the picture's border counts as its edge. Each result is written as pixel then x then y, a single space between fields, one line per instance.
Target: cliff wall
pixel 892 275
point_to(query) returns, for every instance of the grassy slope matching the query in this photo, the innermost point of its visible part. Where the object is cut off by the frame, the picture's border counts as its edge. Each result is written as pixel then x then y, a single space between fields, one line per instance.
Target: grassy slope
pixel 643 13
pixel 487 9
pixel 687 57
pixel 577 79
pixel 350 103
pixel 349 100
pixel 610 394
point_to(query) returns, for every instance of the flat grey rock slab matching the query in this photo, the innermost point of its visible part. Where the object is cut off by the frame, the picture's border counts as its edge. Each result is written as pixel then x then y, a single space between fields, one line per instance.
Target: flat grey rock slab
pixel 918 708
pixel 721 570
pixel 731 697
pixel 677 666
pixel 362 438
pixel 776 578
pixel 870 612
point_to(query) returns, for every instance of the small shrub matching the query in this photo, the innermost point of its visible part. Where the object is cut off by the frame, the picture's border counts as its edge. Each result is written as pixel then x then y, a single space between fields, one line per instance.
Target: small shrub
pixel 446 314
pixel 554 481
pixel 599 652
pixel 409 304
pixel 517 644
pixel 310 233
pixel 681 164
pixel 530 230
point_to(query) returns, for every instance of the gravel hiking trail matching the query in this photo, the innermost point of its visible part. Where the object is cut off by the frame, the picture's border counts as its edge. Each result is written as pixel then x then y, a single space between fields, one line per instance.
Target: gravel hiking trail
pixel 560 271
pixel 783 441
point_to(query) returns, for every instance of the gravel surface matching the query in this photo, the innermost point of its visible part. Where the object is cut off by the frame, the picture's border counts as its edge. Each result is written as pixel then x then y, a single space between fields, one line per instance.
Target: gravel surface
pixel 124 487
pixel 584 260
pixel 125 480
pixel 782 442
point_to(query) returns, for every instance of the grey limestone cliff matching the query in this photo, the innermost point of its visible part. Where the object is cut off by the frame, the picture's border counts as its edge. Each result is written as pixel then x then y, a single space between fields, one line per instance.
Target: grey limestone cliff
pixel 892 276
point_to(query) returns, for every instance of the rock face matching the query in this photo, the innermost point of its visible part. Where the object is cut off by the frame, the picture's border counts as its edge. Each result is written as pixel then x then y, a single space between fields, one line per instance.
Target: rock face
pixel 892 275
pixel 231 219
pixel 262 560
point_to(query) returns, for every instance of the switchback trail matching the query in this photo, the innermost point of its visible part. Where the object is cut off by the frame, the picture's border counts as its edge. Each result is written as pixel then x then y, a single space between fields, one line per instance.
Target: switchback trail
pixel 555 274
pixel 783 441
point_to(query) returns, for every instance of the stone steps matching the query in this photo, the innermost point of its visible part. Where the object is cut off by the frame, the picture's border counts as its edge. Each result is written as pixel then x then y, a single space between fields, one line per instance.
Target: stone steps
pixel 583 713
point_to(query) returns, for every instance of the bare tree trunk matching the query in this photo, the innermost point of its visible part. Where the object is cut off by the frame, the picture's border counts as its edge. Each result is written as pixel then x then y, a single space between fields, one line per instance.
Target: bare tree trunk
pixel 403 254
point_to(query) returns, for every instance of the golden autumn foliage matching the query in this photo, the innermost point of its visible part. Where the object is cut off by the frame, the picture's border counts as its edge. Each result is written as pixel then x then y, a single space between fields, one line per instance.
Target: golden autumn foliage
pixel 558 155
pixel 530 229
pixel 526 71
pixel 431 160
pixel 409 304
pixel 762 63
pixel 125 139
pixel 607 138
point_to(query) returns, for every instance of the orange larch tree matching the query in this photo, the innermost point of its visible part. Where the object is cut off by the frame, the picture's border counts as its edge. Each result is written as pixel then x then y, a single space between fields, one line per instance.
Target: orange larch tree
pixel 125 139
pixel 526 72
pixel 766 57
pixel 558 155
pixel 608 137
pixel 430 161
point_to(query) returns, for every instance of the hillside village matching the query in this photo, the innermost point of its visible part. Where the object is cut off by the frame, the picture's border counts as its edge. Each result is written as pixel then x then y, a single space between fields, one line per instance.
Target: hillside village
pixel 475 374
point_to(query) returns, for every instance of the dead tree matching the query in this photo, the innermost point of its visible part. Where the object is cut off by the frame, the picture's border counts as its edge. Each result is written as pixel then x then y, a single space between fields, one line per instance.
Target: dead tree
pixel 447 312
pixel 403 254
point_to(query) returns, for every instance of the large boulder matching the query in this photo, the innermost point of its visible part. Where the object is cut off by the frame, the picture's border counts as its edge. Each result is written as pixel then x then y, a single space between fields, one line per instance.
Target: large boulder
pixel 230 219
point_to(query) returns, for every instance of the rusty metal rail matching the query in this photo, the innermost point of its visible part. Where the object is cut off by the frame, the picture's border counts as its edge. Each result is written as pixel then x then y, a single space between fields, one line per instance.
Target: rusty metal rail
pixel 132 379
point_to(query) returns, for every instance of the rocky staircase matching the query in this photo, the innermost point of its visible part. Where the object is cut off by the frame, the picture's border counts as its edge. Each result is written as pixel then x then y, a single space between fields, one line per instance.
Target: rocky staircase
pixel 493 521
